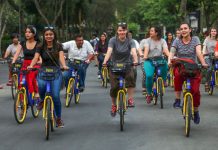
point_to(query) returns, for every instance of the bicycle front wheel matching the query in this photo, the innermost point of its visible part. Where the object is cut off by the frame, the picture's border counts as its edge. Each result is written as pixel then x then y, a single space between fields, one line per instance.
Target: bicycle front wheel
pixel 188 114
pixel 20 107
pixel 121 110
pixel 69 92
pixel 160 92
pixel 47 117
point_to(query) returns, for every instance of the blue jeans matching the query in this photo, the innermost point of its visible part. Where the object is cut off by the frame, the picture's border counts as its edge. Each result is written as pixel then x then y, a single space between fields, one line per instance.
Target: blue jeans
pixel 55 91
pixel 81 72
pixel 100 62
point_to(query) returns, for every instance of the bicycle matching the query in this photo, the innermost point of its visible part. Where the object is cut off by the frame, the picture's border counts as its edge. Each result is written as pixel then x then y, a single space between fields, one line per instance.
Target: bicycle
pixel 188 104
pixel 15 77
pixel 121 101
pixel 214 73
pixel 73 84
pixel 105 76
pixel 48 74
pixel 158 86
pixel 24 100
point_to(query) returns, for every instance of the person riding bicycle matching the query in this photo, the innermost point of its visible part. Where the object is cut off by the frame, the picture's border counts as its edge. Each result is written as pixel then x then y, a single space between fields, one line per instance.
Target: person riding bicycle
pixel 208 49
pixel 11 51
pixel 51 52
pixel 82 51
pixel 121 50
pixel 101 50
pixel 188 48
pixel 28 48
pixel 154 46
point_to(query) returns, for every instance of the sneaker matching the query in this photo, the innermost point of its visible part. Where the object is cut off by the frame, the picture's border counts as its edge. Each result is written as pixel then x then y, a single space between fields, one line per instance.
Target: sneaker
pixel 131 102
pixel 148 98
pixel 206 86
pixel 176 104
pixel 9 84
pixel 196 117
pixel 165 84
pixel 40 105
pixel 81 89
pixel 144 92
pixel 59 123
pixel 113 110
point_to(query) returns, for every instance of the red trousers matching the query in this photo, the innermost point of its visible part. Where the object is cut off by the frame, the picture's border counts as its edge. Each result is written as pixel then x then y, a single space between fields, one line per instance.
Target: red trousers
pixel 30 77
pixel 195 85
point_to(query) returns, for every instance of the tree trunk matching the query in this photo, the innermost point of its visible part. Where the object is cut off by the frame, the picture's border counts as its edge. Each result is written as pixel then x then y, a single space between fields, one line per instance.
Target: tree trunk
pixel 2 25
pixel 183 9
pixel 40 12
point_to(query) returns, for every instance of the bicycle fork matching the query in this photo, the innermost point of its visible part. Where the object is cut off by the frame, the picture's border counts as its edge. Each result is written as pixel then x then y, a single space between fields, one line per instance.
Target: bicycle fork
pixel 123 92
pixel 188 93
pixel 48 98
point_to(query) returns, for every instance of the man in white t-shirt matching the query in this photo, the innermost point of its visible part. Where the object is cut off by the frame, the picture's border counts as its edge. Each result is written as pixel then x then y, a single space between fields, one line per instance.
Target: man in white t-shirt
pixel 10 51
pixel 81 51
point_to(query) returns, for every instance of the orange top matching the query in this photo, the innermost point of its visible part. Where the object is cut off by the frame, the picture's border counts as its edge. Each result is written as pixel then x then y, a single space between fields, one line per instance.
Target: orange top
pixel 216 48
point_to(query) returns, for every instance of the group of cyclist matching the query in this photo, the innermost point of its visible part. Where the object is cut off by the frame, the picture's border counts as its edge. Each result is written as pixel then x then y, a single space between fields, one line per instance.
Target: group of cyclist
pixel 119 49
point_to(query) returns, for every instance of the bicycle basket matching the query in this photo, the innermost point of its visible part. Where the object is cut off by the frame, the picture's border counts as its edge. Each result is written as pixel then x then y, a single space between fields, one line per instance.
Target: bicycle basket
pixel 119 68
pixel 16 67
pixel 49 73
pixel 189 69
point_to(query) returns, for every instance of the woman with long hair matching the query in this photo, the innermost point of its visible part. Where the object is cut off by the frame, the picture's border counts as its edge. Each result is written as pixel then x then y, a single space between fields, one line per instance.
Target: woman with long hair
pixel 208 49
pixel 154 46
pixel 28 47
pixel 101 49
pixel 187 48
pixel 51 52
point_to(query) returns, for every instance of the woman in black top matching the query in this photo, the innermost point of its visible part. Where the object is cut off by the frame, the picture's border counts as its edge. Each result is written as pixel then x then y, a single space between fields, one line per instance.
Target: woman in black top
pixel 51 52
pixel 101 49
pixel 28 48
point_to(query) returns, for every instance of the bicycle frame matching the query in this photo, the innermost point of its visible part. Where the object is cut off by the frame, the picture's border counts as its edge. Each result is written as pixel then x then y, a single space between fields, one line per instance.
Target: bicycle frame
pixel 158 77
pixel 24 87
pixel 121 91
pixel 188 92
pixel 48 96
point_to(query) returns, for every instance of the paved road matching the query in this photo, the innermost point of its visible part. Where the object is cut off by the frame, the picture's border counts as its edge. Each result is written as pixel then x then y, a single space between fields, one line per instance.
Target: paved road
pixel 89 126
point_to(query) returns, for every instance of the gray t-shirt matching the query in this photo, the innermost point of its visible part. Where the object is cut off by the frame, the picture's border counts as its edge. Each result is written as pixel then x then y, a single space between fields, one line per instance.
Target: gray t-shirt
pixel 142 44
pixel 209 45
pixel 186 50
pixel 12 49
pixel 155 48
pixel 121 49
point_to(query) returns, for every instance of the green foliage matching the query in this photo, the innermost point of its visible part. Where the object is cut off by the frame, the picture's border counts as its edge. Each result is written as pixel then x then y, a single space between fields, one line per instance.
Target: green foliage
pixel 134 27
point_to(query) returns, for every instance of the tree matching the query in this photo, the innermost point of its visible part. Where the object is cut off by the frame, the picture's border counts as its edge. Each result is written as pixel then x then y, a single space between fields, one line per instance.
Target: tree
pixel 3 21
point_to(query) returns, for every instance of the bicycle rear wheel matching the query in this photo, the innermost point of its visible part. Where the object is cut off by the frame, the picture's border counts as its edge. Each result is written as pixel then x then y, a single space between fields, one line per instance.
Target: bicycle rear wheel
pixel 188 114
pixel 160 92
pixel 20 107
pixel 76 94
pixel 47 117
pixel 121 110
pixel 14 86
pixel 69 92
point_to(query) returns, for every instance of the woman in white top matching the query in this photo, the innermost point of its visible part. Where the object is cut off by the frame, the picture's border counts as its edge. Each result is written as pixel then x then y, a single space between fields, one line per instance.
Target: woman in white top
pixel 208 50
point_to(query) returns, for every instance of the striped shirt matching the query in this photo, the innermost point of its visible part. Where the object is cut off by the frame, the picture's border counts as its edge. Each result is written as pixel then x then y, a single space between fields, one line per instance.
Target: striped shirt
pixel 186 50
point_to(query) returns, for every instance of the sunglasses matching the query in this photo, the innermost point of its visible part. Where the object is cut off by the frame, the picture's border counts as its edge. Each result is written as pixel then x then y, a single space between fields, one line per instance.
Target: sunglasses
pixel 122 24
pixel 50 28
